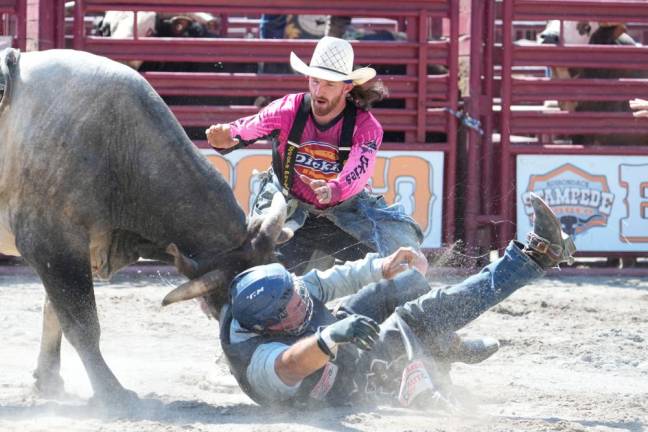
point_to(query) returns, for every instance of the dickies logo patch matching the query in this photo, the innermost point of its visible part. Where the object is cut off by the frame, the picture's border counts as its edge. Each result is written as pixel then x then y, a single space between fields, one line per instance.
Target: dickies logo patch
pixel 317 160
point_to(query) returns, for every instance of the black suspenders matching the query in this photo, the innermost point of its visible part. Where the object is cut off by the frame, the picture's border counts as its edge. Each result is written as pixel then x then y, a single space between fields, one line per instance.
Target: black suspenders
pixel 346 136
pixel 285 173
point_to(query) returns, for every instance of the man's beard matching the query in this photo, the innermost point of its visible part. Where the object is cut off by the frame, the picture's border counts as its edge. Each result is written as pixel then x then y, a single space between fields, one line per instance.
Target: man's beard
pixel 323 110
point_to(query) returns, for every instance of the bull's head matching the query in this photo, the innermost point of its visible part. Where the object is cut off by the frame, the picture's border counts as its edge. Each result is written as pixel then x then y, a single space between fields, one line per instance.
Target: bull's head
pixel 569 33
pixel 211 273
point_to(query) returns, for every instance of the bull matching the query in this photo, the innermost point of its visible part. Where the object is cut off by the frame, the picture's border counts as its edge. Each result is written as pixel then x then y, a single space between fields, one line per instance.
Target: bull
pixel 612 34
pixel 593 33
pixel 95 172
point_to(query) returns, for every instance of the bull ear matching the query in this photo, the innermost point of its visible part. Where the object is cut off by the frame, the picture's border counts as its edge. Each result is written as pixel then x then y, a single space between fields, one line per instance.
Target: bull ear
pixel 274 219
pixel 185 265
pixel 207 283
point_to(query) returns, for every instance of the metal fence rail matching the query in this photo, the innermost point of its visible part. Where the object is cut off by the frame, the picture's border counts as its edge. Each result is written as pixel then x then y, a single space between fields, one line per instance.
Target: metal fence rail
pixel 520 120
pixel 13 22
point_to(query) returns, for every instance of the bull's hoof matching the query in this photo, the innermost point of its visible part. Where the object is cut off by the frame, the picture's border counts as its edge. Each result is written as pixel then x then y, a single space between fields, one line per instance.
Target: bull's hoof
pixel 120 401
pixel 49 386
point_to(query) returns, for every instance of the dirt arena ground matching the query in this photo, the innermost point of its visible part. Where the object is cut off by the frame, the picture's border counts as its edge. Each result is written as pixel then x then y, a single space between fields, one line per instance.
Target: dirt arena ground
pixel 574 357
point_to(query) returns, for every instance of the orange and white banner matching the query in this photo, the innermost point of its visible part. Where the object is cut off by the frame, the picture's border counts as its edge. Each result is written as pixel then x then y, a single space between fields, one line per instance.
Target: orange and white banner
pixel 412 178
pixel 600 200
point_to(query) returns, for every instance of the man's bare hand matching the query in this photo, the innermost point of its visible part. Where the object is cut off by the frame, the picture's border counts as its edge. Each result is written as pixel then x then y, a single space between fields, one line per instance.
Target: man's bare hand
pixel 403 259
pixel 219 137
pixel 320 187
pixel 640 107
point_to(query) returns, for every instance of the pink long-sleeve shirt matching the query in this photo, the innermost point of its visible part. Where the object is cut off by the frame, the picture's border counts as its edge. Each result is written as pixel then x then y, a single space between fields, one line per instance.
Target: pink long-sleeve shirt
pixel 317 157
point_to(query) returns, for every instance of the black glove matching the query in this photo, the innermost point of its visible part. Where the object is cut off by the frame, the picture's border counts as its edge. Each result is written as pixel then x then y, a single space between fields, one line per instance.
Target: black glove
pixel 359 330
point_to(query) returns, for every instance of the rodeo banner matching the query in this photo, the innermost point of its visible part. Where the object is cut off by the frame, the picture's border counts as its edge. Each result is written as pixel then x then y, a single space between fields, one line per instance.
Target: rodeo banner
pixel 411 179
pixel 600 200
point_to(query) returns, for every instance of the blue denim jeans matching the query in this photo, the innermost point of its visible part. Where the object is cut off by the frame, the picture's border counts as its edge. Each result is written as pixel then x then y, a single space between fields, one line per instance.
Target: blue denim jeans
pixel 445 310
pixel 436 312
pixel 383 228
pixel 365 217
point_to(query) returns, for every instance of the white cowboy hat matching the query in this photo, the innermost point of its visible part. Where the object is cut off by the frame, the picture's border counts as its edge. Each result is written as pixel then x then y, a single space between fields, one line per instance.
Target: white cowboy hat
pixel 332 60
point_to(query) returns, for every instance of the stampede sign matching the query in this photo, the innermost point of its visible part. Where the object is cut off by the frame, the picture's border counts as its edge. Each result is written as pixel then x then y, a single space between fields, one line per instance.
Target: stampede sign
pixel 600 200
pixel 412 179
pixel 580 200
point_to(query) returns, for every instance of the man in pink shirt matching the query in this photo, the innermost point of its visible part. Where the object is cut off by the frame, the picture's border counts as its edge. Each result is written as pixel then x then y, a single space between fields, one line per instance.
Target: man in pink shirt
pixel 324 150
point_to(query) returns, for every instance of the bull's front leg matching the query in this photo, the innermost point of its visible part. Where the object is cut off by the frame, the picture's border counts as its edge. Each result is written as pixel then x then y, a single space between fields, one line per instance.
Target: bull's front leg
pixel 48 379
pixel 60 256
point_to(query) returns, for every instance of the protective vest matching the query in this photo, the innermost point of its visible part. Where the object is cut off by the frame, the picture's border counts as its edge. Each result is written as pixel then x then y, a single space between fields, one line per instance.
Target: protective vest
pixel 317 388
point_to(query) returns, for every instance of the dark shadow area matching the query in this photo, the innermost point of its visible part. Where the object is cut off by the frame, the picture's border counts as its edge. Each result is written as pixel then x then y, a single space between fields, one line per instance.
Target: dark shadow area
pixel 209 100
pixel 217 67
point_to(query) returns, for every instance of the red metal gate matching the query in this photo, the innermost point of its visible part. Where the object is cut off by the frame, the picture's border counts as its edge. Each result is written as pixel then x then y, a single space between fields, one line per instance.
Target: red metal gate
pixel 509 102
pixel 13 22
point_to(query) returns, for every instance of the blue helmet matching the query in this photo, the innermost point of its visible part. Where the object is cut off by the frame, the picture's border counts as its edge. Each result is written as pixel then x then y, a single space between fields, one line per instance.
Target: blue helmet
pixel 268 298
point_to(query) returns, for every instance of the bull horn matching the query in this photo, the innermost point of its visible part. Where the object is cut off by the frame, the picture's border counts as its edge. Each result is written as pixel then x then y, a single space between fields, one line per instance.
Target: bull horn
pixel 274 219
pixel 201 286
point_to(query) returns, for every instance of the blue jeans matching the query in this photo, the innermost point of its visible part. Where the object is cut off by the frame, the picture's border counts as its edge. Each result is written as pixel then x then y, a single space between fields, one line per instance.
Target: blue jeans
pixel 445 310
pixel 383 228
pixel 364 217
pixel 440 311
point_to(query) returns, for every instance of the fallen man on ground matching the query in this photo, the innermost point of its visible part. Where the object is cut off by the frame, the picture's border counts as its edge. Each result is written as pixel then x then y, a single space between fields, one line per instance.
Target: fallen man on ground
pixel 392 339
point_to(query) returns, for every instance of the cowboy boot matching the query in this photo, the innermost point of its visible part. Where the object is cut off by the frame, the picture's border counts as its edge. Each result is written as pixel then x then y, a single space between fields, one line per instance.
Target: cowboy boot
pixel 457 348
pixel 547 244
pixel 450 348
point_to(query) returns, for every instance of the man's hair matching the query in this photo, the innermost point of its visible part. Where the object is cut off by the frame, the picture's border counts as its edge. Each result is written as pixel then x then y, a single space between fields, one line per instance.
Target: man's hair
pixel 365 95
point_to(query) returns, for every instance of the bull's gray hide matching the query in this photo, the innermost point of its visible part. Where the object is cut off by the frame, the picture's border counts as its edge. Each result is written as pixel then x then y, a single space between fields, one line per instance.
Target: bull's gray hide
pixel 95 172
